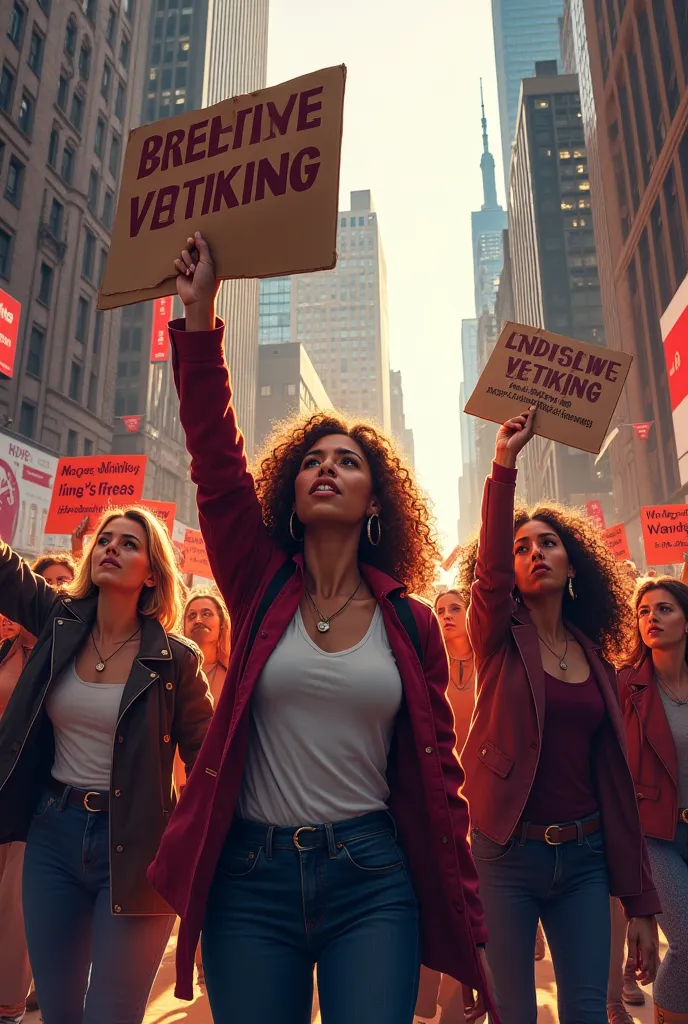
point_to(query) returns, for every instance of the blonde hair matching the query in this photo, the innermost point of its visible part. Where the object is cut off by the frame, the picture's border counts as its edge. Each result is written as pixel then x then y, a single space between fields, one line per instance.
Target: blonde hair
pixel 164 600
pixel 224 642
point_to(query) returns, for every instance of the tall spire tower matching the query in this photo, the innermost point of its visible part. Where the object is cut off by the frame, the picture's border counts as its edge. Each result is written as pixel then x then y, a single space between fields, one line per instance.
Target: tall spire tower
pixel 487 164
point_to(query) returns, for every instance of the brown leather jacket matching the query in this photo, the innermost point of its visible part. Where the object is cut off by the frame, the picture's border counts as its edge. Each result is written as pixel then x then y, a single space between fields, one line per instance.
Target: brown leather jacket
pixel 166 704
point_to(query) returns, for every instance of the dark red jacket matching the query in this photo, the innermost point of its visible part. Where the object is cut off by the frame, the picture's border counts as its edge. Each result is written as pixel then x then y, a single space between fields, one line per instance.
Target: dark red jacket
pixel 503 747
pixel 651 750
pixel 424 774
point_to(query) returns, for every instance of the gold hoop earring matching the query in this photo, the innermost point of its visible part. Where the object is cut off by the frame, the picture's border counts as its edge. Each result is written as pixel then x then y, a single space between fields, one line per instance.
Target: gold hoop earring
pixel 572 593
pixel 378 530
pixel 292 517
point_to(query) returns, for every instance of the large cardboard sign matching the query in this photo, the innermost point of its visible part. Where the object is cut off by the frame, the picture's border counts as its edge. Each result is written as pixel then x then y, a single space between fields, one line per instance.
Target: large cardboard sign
pixel 665 533
pixel 617 541
pixel 195 556
pixel 10 311
pixel 575 385
pixel 164 510
pixel 87 485
pixel 258 175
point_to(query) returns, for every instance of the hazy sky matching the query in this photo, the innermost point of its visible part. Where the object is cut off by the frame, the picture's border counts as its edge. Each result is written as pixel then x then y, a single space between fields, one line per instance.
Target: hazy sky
pixel 412 135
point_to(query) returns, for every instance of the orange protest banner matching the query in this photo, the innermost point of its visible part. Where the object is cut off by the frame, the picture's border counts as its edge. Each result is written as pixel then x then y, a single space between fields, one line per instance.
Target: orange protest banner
pixel 88 484
pixel 665 533
pixel 164 510
pixel 617 542
pixel 195 556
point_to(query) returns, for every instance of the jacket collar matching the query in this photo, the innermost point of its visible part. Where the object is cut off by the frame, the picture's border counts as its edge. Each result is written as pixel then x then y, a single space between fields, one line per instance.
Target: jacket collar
pixel 154 643
pixel 381 585
pixel 522 616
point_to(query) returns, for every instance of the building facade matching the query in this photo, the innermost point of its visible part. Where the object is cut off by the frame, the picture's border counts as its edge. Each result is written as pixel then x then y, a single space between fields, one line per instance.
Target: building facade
pixel 340 317
pixel 633 65
pixel 70 82
pixel 287 385
pixel 468 481
pixel 525 31
pixel 196 54
pixel 400 432
pixel 274 311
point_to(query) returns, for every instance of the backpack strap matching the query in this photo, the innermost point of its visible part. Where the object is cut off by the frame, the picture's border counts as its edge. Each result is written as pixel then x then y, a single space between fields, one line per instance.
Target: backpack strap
pixel 283 574
pixel 402 607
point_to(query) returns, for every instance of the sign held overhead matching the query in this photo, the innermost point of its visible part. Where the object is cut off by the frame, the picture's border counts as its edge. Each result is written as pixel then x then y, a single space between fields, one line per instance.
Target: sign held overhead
pixel 575 385
pixel 87 485
pixel 258 175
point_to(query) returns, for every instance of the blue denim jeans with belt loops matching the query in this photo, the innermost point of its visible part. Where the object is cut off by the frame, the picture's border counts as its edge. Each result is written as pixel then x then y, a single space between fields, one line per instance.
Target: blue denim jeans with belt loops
pixel 336 897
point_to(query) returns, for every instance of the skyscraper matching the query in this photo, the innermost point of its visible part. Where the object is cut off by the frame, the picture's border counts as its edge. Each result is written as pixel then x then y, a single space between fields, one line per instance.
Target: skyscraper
pixel 524 31
pixel 198 54
pixel 340 317
pixel 468 481
pixel 402 434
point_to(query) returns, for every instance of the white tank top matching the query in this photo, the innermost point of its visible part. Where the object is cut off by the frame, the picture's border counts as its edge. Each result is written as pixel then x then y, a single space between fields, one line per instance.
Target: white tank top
pixel 321 728
pixel 84 718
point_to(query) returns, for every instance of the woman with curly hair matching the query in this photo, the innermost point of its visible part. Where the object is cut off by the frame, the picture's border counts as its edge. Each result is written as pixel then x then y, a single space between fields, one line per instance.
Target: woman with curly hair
pixel 323 823
pixel 653 687
pixel 554 820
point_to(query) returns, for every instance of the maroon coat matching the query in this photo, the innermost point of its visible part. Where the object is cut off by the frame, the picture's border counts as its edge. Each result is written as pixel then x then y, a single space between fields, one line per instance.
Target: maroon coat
pixel 652 752
pixel 424 774
pixel 503 747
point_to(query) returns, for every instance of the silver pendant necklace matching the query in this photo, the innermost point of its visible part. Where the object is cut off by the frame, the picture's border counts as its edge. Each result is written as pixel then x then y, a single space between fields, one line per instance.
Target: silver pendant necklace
pixel 563 664
pixel 323 624
pixel 102 662
pixel 671 694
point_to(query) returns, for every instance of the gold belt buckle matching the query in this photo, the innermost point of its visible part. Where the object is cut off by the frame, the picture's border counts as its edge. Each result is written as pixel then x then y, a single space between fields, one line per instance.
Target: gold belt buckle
pixel 295 837
pixel 92 810
pixel 548 839
pixel 683 815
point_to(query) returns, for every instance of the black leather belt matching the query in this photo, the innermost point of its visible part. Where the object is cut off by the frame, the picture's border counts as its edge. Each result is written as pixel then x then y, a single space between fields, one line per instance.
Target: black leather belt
pixel 683 815
pixel 555 835
pixel 89 800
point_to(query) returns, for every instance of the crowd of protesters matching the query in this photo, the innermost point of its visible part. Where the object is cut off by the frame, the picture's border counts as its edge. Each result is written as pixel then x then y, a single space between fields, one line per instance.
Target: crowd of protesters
pixel 328 762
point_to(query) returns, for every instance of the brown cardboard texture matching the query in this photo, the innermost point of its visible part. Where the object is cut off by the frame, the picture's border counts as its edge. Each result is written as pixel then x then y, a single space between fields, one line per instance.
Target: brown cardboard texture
pixel 575 385
pixel 258 175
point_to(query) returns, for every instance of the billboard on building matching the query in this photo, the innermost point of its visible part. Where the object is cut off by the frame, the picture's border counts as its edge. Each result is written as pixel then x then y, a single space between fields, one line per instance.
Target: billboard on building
pixel 674 325
pixel 26 483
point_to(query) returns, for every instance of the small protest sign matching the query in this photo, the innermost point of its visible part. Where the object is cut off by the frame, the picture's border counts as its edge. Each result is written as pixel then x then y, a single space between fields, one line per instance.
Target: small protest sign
pixel 665 533
pixel 595 512
pixel 164 510
pixel 160 335
pixel 87 485
pixel 258 175
pixel 617 542
pixel 195 556
pixel 574 385
pixel 10 311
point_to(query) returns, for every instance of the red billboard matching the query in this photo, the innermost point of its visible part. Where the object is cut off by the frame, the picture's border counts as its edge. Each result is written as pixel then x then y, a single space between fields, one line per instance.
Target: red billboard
pixel 10 311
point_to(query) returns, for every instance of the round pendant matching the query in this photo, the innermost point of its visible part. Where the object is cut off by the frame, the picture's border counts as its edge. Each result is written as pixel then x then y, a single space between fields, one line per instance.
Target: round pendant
pixel 562 665
pixel 323 626
pixel 100 667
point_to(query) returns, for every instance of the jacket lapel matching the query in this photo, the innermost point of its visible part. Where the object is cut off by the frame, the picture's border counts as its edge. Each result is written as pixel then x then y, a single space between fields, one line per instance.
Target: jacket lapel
pixel 72 625
pixel 647 705
pixel 526 639
pixel 145 668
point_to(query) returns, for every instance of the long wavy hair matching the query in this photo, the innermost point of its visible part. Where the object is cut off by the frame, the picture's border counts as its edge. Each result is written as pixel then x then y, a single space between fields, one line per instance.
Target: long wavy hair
pixel 224 641
pixel 162 601
pixel 602 609
pixel 408 548
pixel 637 649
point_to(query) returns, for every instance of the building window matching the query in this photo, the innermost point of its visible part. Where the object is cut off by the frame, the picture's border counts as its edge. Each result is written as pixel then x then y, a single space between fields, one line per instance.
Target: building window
pixel 111 30
pixel 17 23
pixel 83 316
pixel 108 209
pixel 88 442
pixel 27 419
pixel 70 36
pixel 27 108
pixel 101 270
pixel 106 81
pixel 53 146
pixel 5 253
pixel 93 189
pixel 7 80
pixel 35 57
pixel 92 395
pixel 89 255
pixel 45 287
pixel 56 219
pixel 97 331
pixel 124 52
pixel 76 113
pixel 45 6
pixel 99 137
pixel 67 168
pixel 15 182
pixel 75 379
pixel 291 390
pixel 115 150
pixel 72 439
pixel 90 10
pixel 62 92
pixel 85 59
pixel 265 391
pixel 34 361
pixel 128 8
pixel 120 98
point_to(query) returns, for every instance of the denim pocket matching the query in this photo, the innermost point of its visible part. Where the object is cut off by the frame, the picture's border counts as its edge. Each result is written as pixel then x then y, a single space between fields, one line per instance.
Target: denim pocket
pixel 377 853
pixel 595 842
pixel 487 850
pixel 46 801
pixel 239 861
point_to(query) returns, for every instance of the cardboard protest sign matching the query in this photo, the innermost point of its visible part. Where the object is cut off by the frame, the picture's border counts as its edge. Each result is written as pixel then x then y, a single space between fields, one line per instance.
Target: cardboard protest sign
pixel 575 385
pixel 88 484
pixel 665 533
pixel 617 542
pixel 164 510
pixel 195 556
pixel 258 175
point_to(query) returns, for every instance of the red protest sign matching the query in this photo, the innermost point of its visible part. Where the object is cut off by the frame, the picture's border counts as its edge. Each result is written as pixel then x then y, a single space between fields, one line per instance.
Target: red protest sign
pixel 164 510
pixel 88 484
pixel 195 557
pixel 665 533
pixel 132 423
pixel 160 336
pixel 595 512
pixel 642 430
pixel 676 356
pixel 10 311
pixel 617 542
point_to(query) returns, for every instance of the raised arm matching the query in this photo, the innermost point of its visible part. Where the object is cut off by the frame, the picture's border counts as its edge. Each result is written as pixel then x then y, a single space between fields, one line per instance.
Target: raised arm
pixel 24 597
pixel 236 540
pixel 489 612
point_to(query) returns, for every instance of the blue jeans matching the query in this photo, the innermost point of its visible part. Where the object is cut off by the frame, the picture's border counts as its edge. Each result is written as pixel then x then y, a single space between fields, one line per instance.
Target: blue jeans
pixel 343 901
pixel 670 871
pixel 89 966
pixel 567 888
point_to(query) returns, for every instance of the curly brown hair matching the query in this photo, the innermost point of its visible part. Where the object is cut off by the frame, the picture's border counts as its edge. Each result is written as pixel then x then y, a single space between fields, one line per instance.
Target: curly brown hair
pixel 50 558
pixel 604 591
pixel 408 548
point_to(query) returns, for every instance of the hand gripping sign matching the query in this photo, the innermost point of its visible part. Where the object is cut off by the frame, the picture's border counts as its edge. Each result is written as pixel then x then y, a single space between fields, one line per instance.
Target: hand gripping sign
pixel 258 175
